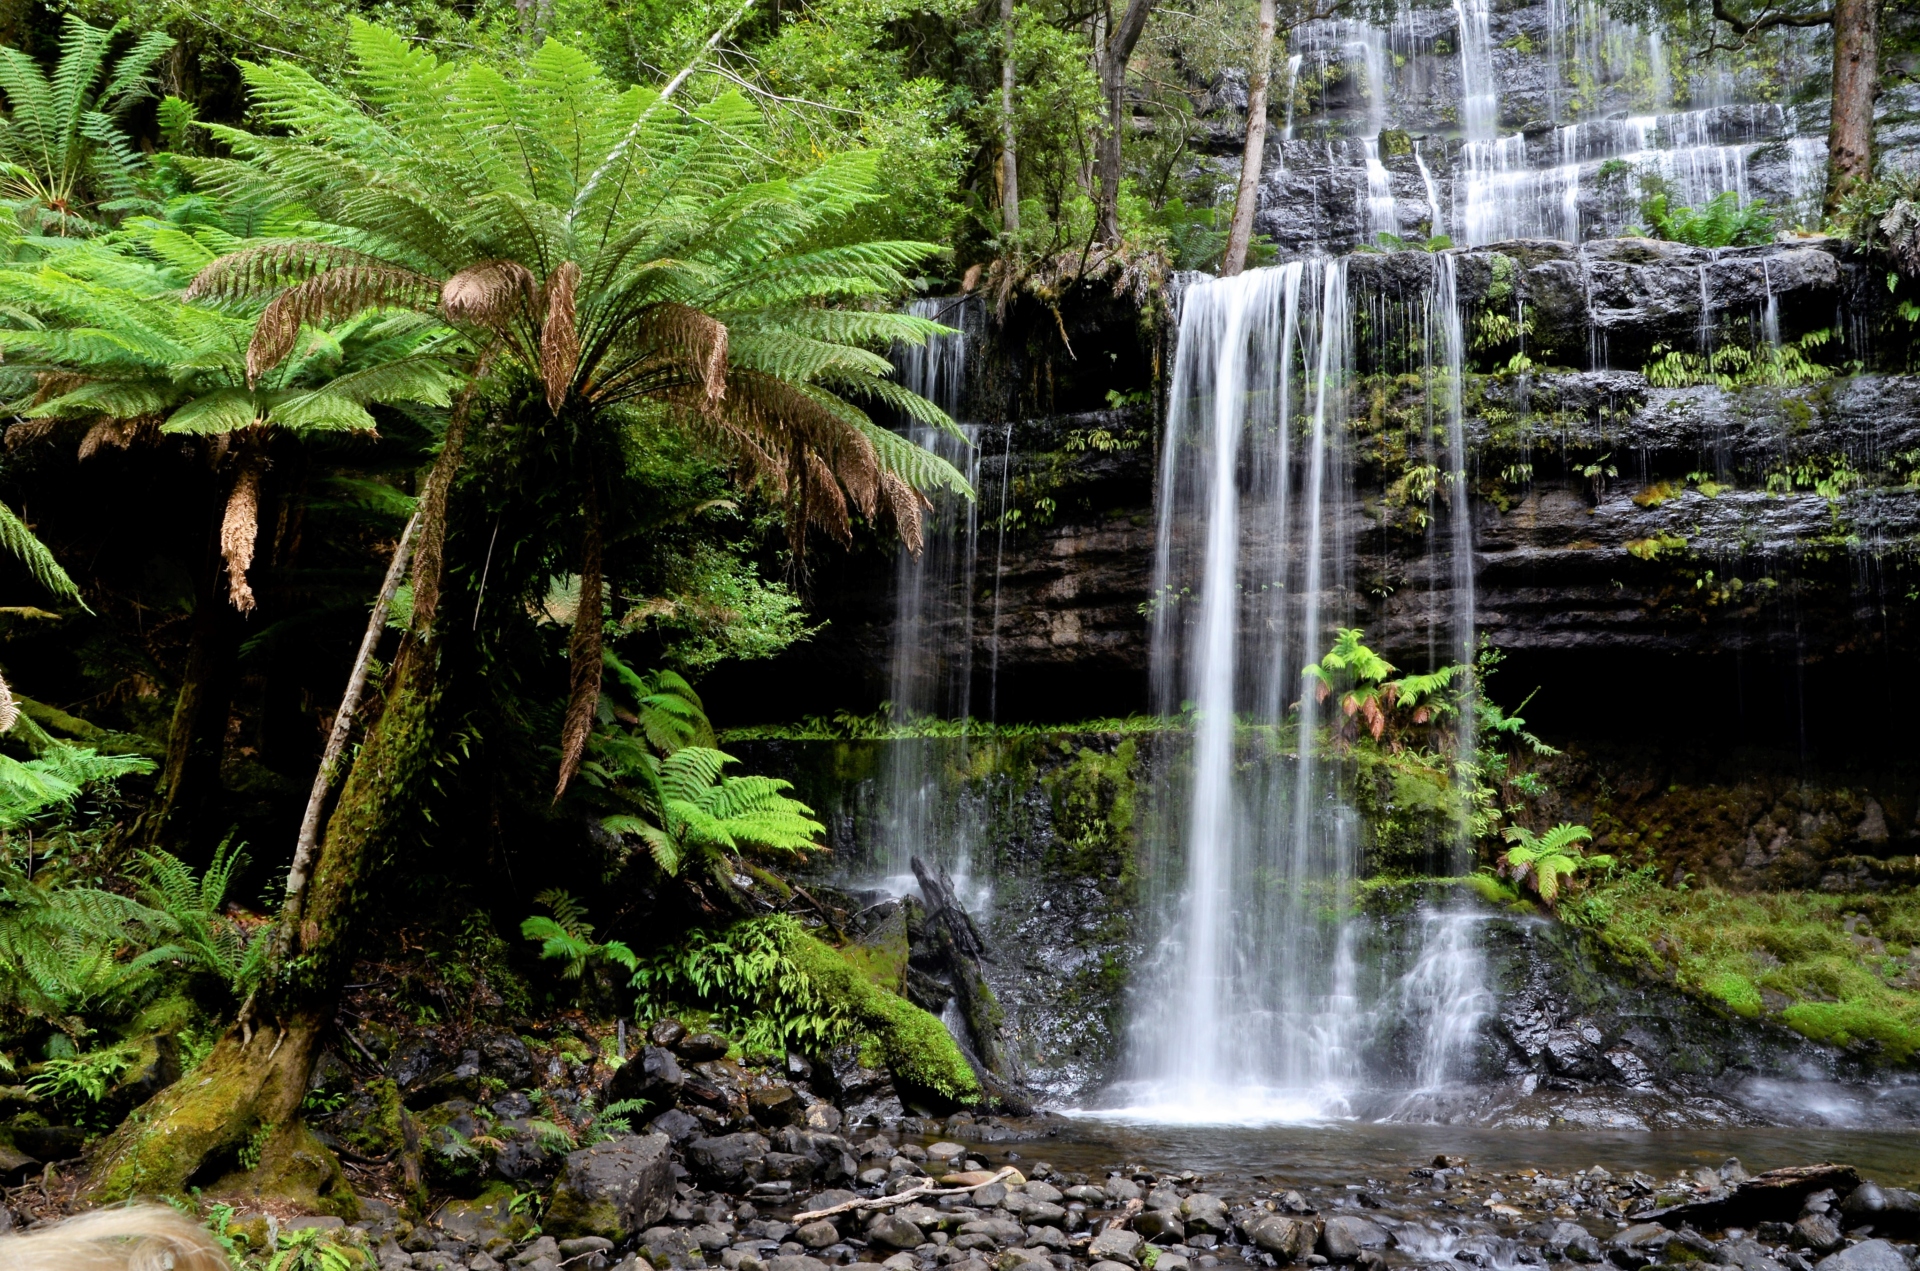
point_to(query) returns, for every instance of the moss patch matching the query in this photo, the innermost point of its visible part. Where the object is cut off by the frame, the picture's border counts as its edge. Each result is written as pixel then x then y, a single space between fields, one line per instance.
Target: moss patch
pixel 917 1048
pixel 1839 969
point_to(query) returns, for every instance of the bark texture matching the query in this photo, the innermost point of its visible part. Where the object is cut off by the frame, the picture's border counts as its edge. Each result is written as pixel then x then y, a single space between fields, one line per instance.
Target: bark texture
pixel 1856 79
pixel 1009 165
pixel 1240 231
pixel 1115 53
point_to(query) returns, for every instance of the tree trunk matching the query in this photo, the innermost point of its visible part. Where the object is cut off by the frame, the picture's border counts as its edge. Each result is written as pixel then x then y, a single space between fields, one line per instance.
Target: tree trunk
pixel 1114 56
pixel 1856 65
pixel 584 664
pixel 1240 231
pixel 252 1083
pixel 197 734
pixel 1009 168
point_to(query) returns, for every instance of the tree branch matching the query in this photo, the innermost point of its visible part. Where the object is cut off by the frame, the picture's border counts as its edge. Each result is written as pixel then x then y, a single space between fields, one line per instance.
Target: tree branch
pixel 1748 26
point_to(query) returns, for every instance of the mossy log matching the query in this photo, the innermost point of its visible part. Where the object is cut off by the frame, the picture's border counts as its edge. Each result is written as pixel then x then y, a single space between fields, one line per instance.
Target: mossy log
pixel 926 1064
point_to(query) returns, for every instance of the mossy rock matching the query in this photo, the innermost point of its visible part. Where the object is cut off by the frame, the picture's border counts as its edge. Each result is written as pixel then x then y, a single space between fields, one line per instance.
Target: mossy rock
pixel 489 1219
pixel 296 1166
pixel 370 1125
pixel 925 1062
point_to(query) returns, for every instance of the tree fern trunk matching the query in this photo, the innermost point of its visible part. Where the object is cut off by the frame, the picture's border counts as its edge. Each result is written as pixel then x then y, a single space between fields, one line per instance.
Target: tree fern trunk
pixel 251 1085
pixel 197 733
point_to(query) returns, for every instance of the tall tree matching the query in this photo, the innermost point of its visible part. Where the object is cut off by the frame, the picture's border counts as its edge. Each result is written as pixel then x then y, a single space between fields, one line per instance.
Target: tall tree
pixel 1240 229
pixel 1115 52
pixel 1856 80
pixel 612 261
pixel 1009 148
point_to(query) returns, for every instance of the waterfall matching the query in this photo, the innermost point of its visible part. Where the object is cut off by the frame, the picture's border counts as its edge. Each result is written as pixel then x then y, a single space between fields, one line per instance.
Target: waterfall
pixel 931 664
pixel 1249 1010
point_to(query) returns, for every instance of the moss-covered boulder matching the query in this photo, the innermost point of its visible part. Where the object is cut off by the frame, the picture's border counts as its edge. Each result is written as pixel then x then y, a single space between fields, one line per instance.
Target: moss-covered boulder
pixel 612 1189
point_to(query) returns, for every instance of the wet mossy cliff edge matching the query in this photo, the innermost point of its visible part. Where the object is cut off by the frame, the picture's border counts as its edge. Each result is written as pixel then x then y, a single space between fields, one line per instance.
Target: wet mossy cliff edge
pixel 1694 485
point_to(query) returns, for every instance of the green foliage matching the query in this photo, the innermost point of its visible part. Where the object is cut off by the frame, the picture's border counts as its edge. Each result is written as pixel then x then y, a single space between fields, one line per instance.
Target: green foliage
pixel 1837 968
pixel 568 936
pixel 312 1249
pixel 1733 366
pixel 201 937
pixel 746 976
pixel 1723 222
pixel 715 607
pixel 1543 862
pixel 18 540
pixel 60 140
pixel 85 1076
pixel 1367 697
pixel 673 799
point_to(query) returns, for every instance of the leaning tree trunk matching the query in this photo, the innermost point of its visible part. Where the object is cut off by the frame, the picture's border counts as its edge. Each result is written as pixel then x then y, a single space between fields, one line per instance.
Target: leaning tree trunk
pixel 248 1090
pixel 1856 66
pixel 1240 231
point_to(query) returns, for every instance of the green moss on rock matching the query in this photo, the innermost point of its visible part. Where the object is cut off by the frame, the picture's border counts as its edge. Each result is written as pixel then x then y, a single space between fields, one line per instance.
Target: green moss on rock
pixel 917 1048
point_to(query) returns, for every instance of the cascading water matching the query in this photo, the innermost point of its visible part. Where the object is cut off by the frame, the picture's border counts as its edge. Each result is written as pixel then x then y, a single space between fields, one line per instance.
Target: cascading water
pixel 1250 1010
pixel 931 672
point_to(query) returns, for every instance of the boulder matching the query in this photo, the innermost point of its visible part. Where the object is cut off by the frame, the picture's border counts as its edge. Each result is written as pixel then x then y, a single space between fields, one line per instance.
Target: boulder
pixel 1123 1246
pixel 890 1231
pixel 671 1247
pixel 1163 1225
pixel 728 1162
pixel 1285 1238
pixel 1889 1210
pixel 700 1047
pixel 1868 1255
pixel 1818 1232
pixel 1204 1213
pixel 612 1189
pixel 776 1106
pixel 1345 1238
pixel 818 1234
pixel 1748 1255
pixel 795 1262
pixel 712 1236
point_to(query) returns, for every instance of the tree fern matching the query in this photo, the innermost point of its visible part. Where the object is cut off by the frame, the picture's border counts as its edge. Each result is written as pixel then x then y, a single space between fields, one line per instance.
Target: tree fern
pixel 1542 862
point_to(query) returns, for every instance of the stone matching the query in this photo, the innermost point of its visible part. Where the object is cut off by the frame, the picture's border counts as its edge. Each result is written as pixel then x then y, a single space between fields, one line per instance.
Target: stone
pixel 944 1152
pixel 1818 1232
pixel 487 1220
pixel 667 1032
pixel 817 1234
pixel 969 1178
pixel 894 1232
pixel 776 1106
pixel 997 1229
pixel 700 1047
pixel 728 1162
pixel 990 1195
pixel 570 1249
pixel 1204 1213
pixel 795 1262
pixel 1345 1238
pixel 1121 1245
pixel 1748 1255
pixel 901 1262
pixel 1110 1266
pixel 712 1236
pixel 1163 1225
pixel 1047 1238
pixel 671 1247
pixel 1285 1238
pixel 436 1261
pixel 544 1247
pixel 1020 1259
pixel 1041 1213
pixel 612 1189
pixel 676 1125
pixel 1121 1190
pixel 1868 1255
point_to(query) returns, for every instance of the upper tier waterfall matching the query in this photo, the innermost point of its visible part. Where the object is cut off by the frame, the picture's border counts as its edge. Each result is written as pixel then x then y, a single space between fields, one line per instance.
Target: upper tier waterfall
pixel 1543 121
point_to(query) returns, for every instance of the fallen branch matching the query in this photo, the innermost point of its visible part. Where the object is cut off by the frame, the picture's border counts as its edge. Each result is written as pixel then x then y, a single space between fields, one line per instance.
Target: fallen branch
pixel 912 1193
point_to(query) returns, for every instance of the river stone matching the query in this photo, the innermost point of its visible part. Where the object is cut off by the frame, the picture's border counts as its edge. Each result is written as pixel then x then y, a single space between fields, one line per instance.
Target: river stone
pixel 1650 1237
pixel 701 1047
pixel 1109 1266
pixel 729 1162
pixel 1344 1238
pixel 1041 1213
pixel 570 1249
pixel 1164 1197
pixel 1121 1190
pixel 817 1234
pixel 1284 1238
pixel 1000 1230
pixel 1044 1192
pixel 1156 1224
pixel 1047 1238
pixel 1748 1255
pixel 1087 1194
pixel 671 1247
pixel 795 1262
pixel 1818 1232
pixel 894 1232
pixel 945 1152
pixel 713 1236
pixel 1205 1213
pixel 1121 1245
pixel 901 1262
pixel 1868 1255
pixel 612 1189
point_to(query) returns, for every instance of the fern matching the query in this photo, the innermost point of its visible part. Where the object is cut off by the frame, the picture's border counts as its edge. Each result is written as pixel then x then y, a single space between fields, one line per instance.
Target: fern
pixel 1543 862
pixel 201 937
pixel 567 937
pixel 747 978
pixel 17 539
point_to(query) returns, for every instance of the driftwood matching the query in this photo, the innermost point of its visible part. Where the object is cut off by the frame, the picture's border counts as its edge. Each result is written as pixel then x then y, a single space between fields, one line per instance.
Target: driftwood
pixel 957 943
pixel 1775 1195
pixel 881 1202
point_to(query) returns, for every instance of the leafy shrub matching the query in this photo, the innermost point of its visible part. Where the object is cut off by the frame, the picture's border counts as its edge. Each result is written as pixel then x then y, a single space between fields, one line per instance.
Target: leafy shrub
pixel 1723 222
pixel 745 975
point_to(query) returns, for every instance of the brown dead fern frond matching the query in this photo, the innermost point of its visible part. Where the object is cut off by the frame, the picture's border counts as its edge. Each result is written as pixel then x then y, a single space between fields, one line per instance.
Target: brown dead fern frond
pixel 9 710
pixel 237 531
pixel 821 503
pixel 24 432
pixel 254 272
pixel 560 335
pixel 332 296
pixel 904 505
pixel 121 434
pixel 491 294
pixel 583 657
